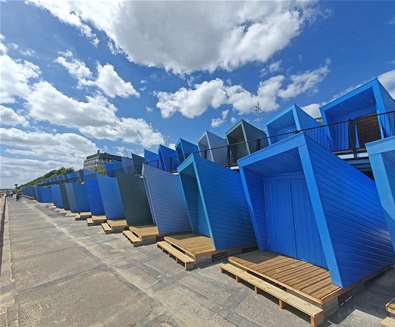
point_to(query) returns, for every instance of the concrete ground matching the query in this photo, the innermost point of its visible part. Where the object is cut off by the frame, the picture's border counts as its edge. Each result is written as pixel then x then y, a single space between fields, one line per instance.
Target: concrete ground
pixel 59 272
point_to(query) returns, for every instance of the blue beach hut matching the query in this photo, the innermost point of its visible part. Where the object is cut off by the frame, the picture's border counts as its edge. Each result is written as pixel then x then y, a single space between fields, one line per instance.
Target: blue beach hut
pixel 244 139
pixel 44 194
pixel 93 193
pixel 151 158
pixel 70 196
pixel 166 201
pixel 167 158
pixel 215 203
pixel 65 199
pixel 111 196
pixel 382 161
pixel 184 149
pixel 360 116
pixel 213 147
pixel 57 196
pixel 308 204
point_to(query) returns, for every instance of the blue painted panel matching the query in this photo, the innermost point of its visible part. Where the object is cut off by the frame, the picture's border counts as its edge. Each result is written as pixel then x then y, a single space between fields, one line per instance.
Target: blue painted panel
pixel 151 158
pixel 65 200
pixel 93 193
pixel 56 196
pixel 213 148
pixel 112 168
pixel 345 206
pixel 111 197
pixel 166 200
pixel 71 196
pixel 382 161
pixel 81 197
pixel 184 149
pixel 44 194
pixel 168 158
pixel 214 195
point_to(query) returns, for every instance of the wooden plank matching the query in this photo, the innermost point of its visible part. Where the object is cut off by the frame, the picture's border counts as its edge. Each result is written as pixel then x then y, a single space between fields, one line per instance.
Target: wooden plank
pixel 187 261
pixel 147 231
pixel 390 307
pixel 106 228
pixel 315 312
pixel 136 241
pixel 90 222
pixel 117 224
pixel 388 322
pixel 85 215
pixel 99 219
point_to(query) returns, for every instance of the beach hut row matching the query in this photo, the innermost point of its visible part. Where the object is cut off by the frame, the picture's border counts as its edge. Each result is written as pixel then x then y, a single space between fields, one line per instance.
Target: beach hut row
pixel 320 225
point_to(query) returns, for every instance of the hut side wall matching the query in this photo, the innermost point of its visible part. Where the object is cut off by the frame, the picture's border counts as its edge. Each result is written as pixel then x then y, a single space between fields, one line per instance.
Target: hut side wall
pixel 111 197
pixel 94 196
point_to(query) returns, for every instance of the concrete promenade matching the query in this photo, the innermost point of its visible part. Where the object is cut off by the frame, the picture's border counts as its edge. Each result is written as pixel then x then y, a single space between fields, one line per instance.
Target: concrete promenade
pixel 59 272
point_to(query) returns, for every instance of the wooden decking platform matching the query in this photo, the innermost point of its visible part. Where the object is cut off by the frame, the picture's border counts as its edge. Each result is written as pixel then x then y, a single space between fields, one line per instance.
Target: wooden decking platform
pixel 96 220
pixel 389 321
pixel 304 279
pixel 83 216
pixel 142 235
pixel 188 249
pixel 114 226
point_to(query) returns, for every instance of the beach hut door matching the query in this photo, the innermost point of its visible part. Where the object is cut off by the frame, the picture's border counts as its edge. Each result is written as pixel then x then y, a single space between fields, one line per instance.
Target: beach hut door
pixel 368 130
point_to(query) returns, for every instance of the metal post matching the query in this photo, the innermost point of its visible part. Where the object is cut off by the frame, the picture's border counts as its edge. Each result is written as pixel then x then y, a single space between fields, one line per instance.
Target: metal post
pixel 228 154
pixel 351 137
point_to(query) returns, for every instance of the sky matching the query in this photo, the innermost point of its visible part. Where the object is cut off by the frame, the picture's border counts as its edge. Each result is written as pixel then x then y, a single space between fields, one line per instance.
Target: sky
pixel 77 77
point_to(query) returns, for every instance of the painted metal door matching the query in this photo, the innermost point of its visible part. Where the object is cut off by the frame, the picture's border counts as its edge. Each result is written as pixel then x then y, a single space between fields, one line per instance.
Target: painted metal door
pixel 290 224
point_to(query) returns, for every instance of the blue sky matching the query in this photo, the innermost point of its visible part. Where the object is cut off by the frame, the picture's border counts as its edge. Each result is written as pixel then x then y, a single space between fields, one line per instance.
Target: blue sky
pixel 121 76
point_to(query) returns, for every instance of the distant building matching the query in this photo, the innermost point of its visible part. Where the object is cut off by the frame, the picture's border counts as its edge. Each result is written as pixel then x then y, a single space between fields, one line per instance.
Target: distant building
pixel 99 159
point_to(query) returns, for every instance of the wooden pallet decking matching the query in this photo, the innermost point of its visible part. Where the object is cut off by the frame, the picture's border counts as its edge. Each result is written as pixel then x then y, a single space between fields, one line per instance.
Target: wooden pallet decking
pixel 142 235
pixel 389 321
pixel 315 313
pixel 390 307
pixel 83 216
pixel 188 249
pixel 304 279
pixel 96 220
pixel 114 226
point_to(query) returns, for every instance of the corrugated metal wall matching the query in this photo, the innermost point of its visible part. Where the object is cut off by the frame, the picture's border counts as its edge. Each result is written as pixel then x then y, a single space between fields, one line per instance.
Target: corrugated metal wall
pixel 344 203
pixel 94 196
pixel 111 197
pixel 215 194
pixel 134 199
pixel 166 200
pixel 382 161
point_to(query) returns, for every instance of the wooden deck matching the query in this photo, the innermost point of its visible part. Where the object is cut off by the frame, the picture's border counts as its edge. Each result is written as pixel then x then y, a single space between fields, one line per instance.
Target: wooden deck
pixel 96 220
pixel 142 235
pixel 390 307
pixel 309 281
pixel 193 245
pixel 114 226
pixel 83 216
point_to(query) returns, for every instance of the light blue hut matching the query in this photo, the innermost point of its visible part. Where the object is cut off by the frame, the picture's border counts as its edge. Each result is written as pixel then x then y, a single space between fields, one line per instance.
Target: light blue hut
pixel 216 205
pixel 213 147
pixel 382 161
pixel 362 115
pixel 308 204
pixel 166 201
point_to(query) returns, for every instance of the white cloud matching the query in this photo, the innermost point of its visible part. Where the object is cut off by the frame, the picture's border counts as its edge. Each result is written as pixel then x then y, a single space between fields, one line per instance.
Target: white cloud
pixel 216 122
pixel 171 34
pixel 111 84
pixel 68 12
pixel 11 118
pixel 108 80
pixel 313 110
pixel 16 77
pixel 75 67
pixel 96 117
pixel 388 81
pixel 31 154
pixel 195 101
pixel 306 81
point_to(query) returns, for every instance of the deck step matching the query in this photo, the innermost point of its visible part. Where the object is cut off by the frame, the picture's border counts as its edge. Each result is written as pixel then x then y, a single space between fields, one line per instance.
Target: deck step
pixel 187 261
pixel 132 238
pixel 388 322
pixel 315 312
pixel 90 222
pixel 98 220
